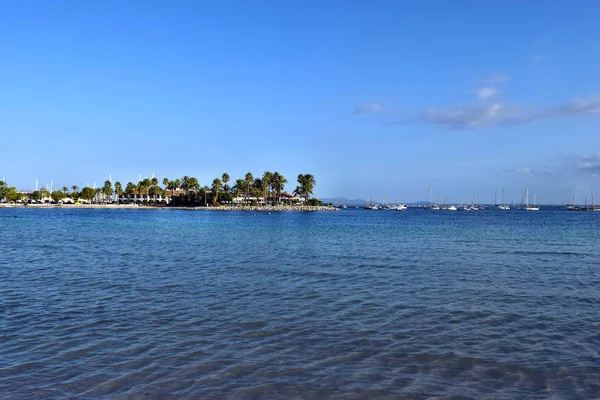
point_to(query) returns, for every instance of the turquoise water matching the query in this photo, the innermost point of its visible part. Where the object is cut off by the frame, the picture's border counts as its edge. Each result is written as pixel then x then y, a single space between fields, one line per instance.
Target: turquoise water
pixel 352 304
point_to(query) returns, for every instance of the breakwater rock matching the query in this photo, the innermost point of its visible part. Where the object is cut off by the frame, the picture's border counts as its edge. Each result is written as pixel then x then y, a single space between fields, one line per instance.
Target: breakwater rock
pixel 268 208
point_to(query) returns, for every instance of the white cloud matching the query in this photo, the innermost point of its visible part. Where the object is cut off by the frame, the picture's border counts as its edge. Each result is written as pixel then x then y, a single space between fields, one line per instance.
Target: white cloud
pixel 470 117
pixel 485 92
pixel 588 164
pixel 524 171
pixel 368 108
pixel 581 106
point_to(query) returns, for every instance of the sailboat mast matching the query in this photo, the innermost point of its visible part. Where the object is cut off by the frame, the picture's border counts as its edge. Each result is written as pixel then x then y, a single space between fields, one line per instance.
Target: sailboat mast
pixel 431 196
pixel 495 197
pixel 527 197
pixel 502 195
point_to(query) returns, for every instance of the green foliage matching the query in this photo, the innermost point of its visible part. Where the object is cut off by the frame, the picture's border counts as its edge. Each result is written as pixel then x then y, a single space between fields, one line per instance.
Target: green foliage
pixel 13 195
pixel 278 182
pixel 225 178
pixel 36 195
pixel 88 193
pixel 3 189
pixel 58 195
pixel 313 202
pixel 130 188
pixel 216 187
pixel 307 185
pixel 118 188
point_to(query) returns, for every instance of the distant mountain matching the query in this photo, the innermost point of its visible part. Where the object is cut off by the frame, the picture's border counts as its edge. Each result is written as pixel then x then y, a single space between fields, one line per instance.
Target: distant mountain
pixel 343 200
pixel 361 202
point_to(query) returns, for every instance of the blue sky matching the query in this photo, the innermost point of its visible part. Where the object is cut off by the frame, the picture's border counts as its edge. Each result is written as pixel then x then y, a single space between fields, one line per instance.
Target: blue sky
pixel 371 97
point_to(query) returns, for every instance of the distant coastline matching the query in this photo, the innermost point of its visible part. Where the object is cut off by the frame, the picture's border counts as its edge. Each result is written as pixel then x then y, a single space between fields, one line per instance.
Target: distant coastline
pixel 247 193
pixel 151 207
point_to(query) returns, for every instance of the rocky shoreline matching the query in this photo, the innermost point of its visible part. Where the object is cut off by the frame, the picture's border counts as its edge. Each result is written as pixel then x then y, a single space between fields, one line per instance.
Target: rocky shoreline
pixel 210 208
pixel 267 208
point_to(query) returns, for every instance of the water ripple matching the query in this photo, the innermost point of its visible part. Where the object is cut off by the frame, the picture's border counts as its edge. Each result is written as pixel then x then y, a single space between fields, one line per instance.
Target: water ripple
pixel 153 304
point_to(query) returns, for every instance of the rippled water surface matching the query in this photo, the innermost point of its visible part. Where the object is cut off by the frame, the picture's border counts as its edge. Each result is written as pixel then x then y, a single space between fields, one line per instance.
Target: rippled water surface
pixel 353 304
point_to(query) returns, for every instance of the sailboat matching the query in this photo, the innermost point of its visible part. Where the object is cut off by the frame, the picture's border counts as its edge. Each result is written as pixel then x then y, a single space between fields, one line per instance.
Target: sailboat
pixel 371 205
pixel 503 206
pixel 431 206
pixel 473 204
pixel 527 206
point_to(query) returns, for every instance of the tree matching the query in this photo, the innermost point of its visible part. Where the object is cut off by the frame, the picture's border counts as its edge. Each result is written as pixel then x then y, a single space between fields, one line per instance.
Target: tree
pixel 268 180
pixel 12 194
pixel 185 183
pixel 154 181
pixel 88 193
pixel 107 189
pixel 279 182
pixel 36 195
pixel 225 179
pixel 307 185
pixel 144 187
pixel 130 189
pixel 193 184
pixel 166 183
pixel 3 189
pixel 216 186
pixel 248 179
pixel 238 187
pixel 259 188
pixel 172 185
pixel 58 195
pixel 75 189
pixel 45 193
pixel 65 190
pixel 118 190
pixel 155 191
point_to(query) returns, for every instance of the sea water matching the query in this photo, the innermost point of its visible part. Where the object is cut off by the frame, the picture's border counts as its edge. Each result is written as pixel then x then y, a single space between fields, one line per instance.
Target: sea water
pixel 152 304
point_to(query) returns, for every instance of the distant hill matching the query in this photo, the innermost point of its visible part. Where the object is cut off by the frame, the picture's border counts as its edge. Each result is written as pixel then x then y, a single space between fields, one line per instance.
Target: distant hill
pixel 343 200
pixel 361 202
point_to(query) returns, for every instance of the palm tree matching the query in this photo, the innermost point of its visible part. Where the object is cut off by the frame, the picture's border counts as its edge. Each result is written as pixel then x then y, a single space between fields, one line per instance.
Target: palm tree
pixel 174 185
pixel 144 187
pixel 307 185
pixel 225 179
pixel 154 181
pixel 279 182
pixel 185 183
pixel 259 188
pixel 166 183
pixel 3 189
pixel 65 189
pixel 118 190
pixel 75 188
pixel 238 187
pixel 107 189
pixel 248 179
pixel 155 190
pixel 268 181
pixel 216 186
pixel 130 190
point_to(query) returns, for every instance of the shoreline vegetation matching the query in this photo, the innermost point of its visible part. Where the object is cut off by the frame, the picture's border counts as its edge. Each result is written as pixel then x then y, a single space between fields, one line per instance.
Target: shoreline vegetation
pixel 246 194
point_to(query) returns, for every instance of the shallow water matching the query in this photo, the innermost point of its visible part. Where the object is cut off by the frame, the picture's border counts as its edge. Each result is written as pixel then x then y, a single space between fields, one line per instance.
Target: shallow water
pixel 353 304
